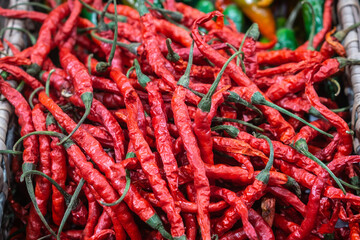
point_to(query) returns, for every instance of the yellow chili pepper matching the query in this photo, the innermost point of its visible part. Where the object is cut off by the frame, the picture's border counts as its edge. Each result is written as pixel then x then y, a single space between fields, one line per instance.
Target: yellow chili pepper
pixel 260 15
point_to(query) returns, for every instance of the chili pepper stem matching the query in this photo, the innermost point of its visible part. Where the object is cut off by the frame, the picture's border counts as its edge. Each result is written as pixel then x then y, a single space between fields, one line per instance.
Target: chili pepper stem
pixel 312 32
pixel 70 207
pixel 294 185
pixel 343 62
pixel 113 47
pixel 33 69
pixel 172 55
pixel 127 186
pixel 47 84
pixel 257 98
pixel 302 148
pixel 142 78
pixel 31 37
pixel 30 188
pixel 231 130
pixel 340 35
pixel 292 17
pixel 7 151
pixel 205 103
pixel 184 79
pixel 87 99
pixel 219 119
pixel 32 95
pixel 264 175
pixel 155 223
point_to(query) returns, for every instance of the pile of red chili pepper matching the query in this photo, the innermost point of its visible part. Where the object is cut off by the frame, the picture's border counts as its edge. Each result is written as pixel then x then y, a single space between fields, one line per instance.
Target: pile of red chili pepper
pixel 161 122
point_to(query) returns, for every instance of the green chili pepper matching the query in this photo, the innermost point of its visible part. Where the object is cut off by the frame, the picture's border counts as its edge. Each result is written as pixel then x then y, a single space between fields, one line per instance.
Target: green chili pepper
pixel 236 15
pixel 205 6
pixel 89 15
pixel 286 35
pixel 318 6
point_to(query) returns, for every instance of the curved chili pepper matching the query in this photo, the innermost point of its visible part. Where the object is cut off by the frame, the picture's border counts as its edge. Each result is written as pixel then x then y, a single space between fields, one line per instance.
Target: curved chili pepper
pixel 238 76
pixel 105 164
pixel 94 214
pixel 148 164
pixel 21 74
pixel 206 111
pixel 252 193
pixel 104 222
pixel 58 171
pixel 43 187
pixel 154 56
pixel 43 45
pixel 240 207
pixel 21 14
pixel 81 81
pixel 182 122
pixel 345 146
pixel 162 136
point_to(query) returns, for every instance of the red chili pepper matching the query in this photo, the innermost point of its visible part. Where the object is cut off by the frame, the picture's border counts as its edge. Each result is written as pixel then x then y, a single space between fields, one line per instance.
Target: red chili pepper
pixel 240 207
pixel 151 47
pixel 44 43
pixel 102 187
pixel 21 14
pixel 104 222
pixel 125 11
pixel 58 171
pixel 93 217
pixel 67 27
pixel 43 187
pixel 105 164
pixel 183 123
pixel 162 135
pixel 20 74
pixel 81 81
pixel 345 145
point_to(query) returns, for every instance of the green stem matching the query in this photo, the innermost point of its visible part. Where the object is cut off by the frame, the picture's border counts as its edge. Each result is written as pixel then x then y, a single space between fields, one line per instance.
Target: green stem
pixel 52 181
pixel 142 78
pixel 8 151
pixel 258 98
pixel 337 110
pixel 31 37
pixel 172 55
pixel 238 59
pixel 30 188
pixel 220 119
pixel 89 62
pixel 293 184
pixel 234 97
pixel 185 79
pixel 73 202
pixel 205 103
pixel 127 186
pixel 48 133
pixel 87 98
pixel 21 86
pixel 155 222
pixel 349 185
pixel 340 35
pixel 264 175
pixel 302 148
pixel 336 83
pixel 292 17
pixel 108 15
pixel 32 95
pixel 113 47
pixel 131 47
pixel 231 130
pixel 47 84
pixel 312 32
pixel 35 4
pixel 129 71
pixel 130 155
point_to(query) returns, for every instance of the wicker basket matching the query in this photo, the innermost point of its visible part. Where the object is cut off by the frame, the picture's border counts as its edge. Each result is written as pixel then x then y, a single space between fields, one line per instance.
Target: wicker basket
pixel 349 13
pixel 7 120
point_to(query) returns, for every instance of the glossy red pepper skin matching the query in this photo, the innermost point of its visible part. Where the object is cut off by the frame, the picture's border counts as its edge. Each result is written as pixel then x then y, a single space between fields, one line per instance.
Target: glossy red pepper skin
pixel 21 14
pixel 148 164
pixel 101 186
pixel 42 187
pixel 156 60
pixel 201 183
pixel 100 157
pixel 203 124
pixel 20 74
pixel 23 112
pixel 162 136
pixel 44 42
